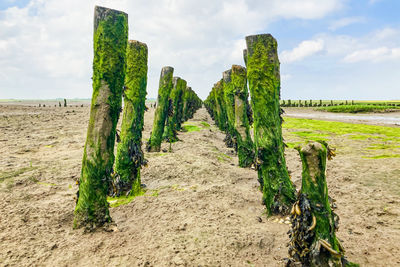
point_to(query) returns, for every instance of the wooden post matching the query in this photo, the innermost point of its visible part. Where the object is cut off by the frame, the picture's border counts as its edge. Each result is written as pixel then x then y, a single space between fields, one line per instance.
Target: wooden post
pixel 109 63
pixel 241 122
pixel 314 224
pixel 161 112
pixel 264 83
pixel 229 97
pixel 176 115
pixel 129 150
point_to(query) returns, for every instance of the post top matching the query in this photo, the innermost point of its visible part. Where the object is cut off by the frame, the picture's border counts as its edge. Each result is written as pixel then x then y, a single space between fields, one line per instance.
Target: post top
pixel 236 68
pixel 311 148
pixel 265 39
pixel 256 36
pixel 100 13
pixel 226 75
pixel 165 70
pixel 138 43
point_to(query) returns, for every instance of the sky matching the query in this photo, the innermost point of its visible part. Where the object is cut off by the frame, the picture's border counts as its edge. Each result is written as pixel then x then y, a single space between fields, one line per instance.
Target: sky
pixel 328 49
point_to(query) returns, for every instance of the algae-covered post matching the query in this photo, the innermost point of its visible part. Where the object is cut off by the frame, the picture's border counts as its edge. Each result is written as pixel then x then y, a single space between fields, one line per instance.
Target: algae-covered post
pixel 161 112
pixel 109 42
pixel 129 156
pixel 220 103
pixel 264 82
pixel 313 240
pixel 182 84
pixel 229 98
pixel 65 102
pixel 175 114
pixel 242 127
pixel 191 102
pixel 174 120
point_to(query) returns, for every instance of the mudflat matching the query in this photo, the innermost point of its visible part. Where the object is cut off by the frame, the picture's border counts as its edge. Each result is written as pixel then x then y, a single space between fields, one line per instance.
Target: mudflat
pixel 199 209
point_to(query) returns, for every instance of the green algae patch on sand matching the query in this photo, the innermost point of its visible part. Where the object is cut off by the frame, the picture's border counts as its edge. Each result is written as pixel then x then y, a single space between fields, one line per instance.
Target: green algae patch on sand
pixel 312 136
pixel 47 184
pixel 383 156
pixel 384 146
pixel 222 157
pixel 14 173
pixel 123 200
pixel 358 108
pixel 190 128
pixel 353 131
pixel 205 124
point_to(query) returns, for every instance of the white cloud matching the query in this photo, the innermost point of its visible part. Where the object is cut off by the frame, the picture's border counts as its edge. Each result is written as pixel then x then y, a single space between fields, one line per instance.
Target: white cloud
pixel 343 22
pixel 303 50
pixel 46 47
pixel 373 55
pixel 306 9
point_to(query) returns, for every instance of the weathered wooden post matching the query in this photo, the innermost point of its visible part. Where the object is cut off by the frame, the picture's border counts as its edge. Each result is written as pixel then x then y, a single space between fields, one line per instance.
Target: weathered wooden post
pixel 175 118
pixel 264 83
pixel 65 102
pixel 313 239
pixel 161 113
pixel 129 156
pixel 182 84
pixel 187 103
pixel 245 56
pixel 229 97
pixel 242 128
pixel 220 103
pixel 109 42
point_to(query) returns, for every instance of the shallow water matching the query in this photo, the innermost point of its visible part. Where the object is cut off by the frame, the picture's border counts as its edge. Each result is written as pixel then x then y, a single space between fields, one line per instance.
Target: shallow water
pixel 386 118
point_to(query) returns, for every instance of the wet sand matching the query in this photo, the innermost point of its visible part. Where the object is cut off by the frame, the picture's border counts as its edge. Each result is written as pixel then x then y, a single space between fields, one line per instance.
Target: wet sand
pixel 384 119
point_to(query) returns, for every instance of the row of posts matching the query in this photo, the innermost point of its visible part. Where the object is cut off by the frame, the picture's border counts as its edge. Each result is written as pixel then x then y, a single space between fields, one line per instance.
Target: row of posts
pixel 120 71
pixel 313 239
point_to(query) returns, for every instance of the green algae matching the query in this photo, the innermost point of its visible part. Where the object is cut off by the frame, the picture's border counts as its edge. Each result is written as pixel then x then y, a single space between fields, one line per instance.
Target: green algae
pixel 190 128
pixel 245 146
pixel 15 173
pixel 130 156
pixel 314 209
pixel 383 156
pixel 264 83
pixel 161 113
pixel 174 120
pixel 109 63
pixel 123 200
pixel 205 124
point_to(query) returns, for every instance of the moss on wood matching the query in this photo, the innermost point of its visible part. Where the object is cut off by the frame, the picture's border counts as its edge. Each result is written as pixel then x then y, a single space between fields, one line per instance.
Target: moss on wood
pixel 220 106
pixel 229 97
pixel 241 123
pixel 129 150
pixel 264 83
pixel 161 113
pixel 314 224
pixel 174 119
pixel 110 41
